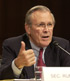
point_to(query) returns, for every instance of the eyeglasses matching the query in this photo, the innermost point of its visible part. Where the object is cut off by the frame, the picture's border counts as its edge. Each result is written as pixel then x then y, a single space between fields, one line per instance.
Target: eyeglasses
pixel 43 25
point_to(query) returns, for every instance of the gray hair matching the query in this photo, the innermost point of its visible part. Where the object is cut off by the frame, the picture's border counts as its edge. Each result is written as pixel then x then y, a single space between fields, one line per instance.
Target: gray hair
pixel 36 8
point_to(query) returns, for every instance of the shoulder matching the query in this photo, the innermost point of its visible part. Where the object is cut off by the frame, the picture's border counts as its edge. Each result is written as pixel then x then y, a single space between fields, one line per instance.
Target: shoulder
pixel 14 40
pixel 13 43
pixel 63 42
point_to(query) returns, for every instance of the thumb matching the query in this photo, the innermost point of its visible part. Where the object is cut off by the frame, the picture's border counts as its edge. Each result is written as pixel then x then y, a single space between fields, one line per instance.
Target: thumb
pixel 22 46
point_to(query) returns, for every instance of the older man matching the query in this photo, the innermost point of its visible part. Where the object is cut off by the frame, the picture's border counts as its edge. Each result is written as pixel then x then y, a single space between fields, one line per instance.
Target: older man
pixel 20 54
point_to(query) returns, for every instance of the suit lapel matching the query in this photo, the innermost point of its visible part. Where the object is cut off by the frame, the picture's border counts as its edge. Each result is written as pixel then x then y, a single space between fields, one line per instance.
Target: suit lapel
pixel 27 42
pixel 29 70
pixel 51 55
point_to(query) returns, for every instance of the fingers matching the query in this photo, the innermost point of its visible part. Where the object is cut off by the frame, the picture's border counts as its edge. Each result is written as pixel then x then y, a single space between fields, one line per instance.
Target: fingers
pixel 28 54
pixel 29 62
pixel 29 57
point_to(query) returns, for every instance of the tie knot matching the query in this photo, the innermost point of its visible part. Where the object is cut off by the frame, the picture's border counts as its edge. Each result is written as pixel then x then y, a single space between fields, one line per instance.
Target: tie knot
pixel 41 50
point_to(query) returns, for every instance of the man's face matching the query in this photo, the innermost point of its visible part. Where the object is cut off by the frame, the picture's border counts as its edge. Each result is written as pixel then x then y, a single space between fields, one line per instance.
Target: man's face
pixel 41 30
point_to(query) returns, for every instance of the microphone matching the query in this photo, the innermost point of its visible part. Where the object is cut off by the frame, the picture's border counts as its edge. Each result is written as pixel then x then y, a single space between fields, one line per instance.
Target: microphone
pixel 57 44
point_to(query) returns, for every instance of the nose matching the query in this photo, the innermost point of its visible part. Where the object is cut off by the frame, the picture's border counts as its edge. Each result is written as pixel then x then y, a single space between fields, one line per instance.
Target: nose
pixel 45 29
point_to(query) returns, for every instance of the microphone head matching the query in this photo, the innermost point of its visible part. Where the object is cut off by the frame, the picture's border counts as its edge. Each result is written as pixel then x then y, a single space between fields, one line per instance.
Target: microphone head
pixel 55 43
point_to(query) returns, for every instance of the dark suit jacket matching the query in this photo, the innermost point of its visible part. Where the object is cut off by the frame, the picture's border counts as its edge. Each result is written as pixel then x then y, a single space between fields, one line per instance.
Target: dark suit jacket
pixel 54 56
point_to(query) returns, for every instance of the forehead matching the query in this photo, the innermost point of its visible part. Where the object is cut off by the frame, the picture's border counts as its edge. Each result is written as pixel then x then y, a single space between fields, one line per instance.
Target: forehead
pixel 41 16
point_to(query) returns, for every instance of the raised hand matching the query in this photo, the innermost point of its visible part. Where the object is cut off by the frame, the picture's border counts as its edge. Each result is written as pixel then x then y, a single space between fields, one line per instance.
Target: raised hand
pixel 25 57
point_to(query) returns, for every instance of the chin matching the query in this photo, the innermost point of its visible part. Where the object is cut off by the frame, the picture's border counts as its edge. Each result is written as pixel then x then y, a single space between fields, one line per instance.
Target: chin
pixel 44 44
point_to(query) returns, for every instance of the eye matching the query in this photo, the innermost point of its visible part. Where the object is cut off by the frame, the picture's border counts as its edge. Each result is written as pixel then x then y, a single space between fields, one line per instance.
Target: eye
pixel 49 24
pixel 41 25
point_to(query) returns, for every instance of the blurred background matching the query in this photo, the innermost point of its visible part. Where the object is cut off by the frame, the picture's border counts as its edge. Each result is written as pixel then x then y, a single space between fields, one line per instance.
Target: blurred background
pixel 12 17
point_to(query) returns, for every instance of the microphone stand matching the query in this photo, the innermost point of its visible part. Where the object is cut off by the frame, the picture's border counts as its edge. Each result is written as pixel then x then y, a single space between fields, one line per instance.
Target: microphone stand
pixel 64 50
pixel 57 44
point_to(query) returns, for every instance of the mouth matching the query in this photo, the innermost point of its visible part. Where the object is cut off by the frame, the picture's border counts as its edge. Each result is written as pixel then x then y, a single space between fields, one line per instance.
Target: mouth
pixel 45 36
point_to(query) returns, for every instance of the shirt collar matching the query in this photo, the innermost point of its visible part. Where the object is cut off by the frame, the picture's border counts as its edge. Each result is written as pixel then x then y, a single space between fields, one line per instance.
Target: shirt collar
pixel 36 47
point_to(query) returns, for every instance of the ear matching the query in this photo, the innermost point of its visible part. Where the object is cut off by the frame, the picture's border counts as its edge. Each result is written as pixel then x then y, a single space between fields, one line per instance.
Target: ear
pixel 27 28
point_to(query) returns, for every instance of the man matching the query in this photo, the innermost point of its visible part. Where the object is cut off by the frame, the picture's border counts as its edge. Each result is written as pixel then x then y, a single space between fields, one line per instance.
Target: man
pixel 20 54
